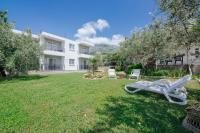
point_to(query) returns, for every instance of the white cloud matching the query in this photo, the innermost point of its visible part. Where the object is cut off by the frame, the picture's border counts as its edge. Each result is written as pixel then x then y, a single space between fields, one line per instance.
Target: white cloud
pixel 102 24
pixel 89 30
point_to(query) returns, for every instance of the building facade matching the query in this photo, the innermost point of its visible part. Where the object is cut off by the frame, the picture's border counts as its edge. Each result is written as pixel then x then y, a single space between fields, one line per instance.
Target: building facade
pixel 62 54
pixel 182 58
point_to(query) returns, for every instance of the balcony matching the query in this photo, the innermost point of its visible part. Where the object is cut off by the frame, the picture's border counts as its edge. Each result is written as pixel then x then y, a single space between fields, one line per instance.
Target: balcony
pixel 48 67
pixel 83 64
pixel 83 67
pixel 54 47
pixel 84 52
pixel 85 55
pixel 52 63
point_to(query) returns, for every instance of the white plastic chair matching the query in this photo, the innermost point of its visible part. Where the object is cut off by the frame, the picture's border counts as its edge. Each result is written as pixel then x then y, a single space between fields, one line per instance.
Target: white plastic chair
pixel 112 74
pixel 135 73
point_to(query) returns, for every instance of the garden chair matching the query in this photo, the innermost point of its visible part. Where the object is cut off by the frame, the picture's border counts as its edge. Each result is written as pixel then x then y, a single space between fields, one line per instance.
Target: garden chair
pixel 112 74
pixel 170 90
pixel 135 73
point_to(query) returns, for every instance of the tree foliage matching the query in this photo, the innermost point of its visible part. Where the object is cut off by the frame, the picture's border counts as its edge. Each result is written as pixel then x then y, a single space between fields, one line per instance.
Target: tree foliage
pixel 148 44
pixel 177 29
pixel 19 53
pixel 3 17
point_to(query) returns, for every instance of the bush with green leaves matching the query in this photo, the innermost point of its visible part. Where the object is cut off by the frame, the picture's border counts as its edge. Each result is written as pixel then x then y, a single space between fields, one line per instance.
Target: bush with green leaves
pixel 164 72
pixel 161 73
pixel 118 68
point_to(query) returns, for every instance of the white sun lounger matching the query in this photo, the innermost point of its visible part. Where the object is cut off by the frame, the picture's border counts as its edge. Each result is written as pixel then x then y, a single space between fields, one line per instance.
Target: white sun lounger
pixel 112 74
pixel 165 87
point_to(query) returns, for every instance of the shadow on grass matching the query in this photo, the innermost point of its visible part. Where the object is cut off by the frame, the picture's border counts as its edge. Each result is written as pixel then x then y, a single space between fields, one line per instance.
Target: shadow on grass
pixel 22 78
pixel 144 112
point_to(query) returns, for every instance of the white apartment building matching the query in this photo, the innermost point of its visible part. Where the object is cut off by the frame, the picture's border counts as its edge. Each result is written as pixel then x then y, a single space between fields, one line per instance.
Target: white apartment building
pixel 62 54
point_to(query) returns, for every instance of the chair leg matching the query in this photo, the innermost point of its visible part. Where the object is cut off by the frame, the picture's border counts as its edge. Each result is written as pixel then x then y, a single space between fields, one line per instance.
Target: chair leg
pixel 126 89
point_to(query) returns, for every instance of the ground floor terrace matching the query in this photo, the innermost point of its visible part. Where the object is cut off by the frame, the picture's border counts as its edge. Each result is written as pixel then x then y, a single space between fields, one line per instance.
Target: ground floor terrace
pixel 70 103
pixel 61 63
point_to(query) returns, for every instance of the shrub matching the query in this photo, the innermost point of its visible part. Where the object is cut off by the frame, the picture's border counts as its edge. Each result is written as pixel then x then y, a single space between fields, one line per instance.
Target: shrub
pixel 164 72
pixel 147 71
pixel 137 66
pixel 177 73
pixel 161 73
pixel 118 68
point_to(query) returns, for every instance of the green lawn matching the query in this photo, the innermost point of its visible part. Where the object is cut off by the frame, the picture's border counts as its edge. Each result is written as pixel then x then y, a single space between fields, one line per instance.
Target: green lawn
pixel 69 103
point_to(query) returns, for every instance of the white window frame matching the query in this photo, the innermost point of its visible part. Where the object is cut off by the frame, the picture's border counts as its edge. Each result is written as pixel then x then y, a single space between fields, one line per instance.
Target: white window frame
pixel 72 63
pixel 71 47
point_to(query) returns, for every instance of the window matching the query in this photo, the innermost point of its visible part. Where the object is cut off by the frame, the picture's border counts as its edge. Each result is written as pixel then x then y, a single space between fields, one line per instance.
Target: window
pixel 71 47
pixel 196 52
pixel 72 62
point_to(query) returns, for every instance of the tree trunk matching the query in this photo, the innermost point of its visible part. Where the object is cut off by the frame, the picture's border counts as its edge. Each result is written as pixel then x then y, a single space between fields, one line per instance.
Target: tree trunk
pixel 187 52
pixel 2 72
pixel 156 64
pixel 93 69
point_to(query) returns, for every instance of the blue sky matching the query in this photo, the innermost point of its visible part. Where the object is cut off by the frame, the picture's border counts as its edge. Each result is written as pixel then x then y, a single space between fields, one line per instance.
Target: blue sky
pixel 65 17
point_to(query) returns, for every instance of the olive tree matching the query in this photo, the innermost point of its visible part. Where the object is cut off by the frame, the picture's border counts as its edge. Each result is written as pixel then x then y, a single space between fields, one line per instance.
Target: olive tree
pixel 148 44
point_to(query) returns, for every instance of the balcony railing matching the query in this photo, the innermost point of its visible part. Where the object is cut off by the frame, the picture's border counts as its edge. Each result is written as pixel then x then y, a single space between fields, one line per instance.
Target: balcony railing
pixel 54 48
pixel 85 52
pixel 48 67
pixel 83 67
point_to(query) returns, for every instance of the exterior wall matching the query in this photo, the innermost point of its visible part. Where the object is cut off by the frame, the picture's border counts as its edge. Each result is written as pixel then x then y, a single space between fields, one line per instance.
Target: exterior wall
pixel 71 55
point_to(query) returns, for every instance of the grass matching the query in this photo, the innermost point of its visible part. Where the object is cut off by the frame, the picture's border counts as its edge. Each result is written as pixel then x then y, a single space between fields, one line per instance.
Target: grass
pixel 69 103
